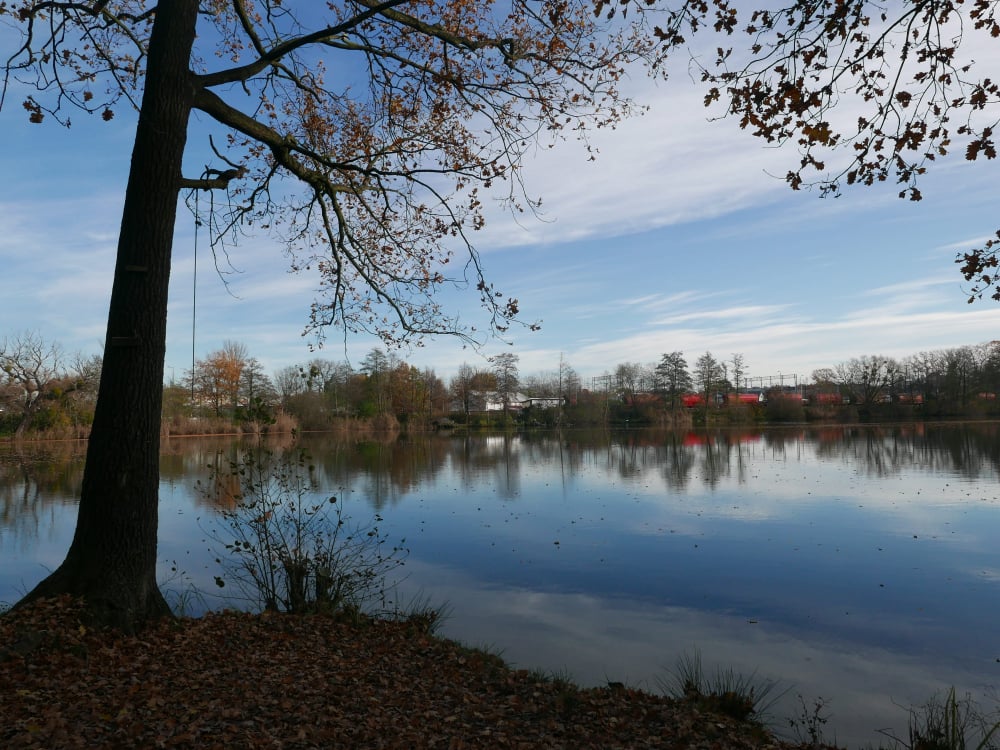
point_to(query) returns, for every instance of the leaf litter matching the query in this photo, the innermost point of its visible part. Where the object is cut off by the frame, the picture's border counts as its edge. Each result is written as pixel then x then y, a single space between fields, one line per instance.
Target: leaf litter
pixel 233 679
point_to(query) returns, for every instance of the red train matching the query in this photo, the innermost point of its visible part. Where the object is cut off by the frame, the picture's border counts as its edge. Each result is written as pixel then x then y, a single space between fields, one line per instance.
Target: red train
pixel 692 400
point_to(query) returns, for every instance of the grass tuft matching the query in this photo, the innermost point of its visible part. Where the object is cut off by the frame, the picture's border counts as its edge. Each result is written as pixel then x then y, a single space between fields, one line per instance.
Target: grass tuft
pixel 422 615
pixel 739 696
pixel 949 723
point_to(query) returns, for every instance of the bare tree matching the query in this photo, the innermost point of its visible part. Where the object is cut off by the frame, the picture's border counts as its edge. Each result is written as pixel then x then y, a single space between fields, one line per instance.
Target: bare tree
pixel 436 393
pixel 288 382
pixel 739 370
pixel 461 387
pixel 469 387
pixel 217 379
pixel 961 371
pixel 991 368
pixel 257 395
pixel 505 371
pixel 29 365
pixel 869 378
pixel 539 384
pixel 327 378
pixel 631 378
pixel 87 372
pixel 708 376
pixel 673 378
pixel 378 366
pixel 569 380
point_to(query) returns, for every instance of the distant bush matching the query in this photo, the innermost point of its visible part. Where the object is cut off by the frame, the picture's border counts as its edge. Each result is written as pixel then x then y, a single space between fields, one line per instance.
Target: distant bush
pixel 781 408
pixel 385 423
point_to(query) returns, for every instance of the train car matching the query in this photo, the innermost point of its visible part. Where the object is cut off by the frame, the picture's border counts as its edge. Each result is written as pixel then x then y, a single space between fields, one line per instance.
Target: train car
pixel 692 400
pixel 826 398
pixel 746 398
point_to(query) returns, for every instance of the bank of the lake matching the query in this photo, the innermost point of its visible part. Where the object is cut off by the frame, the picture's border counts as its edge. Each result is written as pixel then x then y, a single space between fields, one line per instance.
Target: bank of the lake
pixel 238 680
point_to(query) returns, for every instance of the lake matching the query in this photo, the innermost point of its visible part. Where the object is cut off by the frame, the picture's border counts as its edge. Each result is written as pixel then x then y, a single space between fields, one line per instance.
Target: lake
pixel 854 564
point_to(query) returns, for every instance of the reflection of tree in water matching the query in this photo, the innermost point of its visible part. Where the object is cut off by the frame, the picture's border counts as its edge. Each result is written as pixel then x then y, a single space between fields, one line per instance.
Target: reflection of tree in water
pixel 783 444
pixel 716 459
pixel 378 472
pixel 184 458
pixel 738 445
pixel 562 448
pixel 676 462
pixel 35 480
pixel 496 456
pixel 205 462
pixel 627 457
pixel 674 455
pixel 875 451
pixel 971 450
pixel 721 454
pixel 884 453
pixel 384 472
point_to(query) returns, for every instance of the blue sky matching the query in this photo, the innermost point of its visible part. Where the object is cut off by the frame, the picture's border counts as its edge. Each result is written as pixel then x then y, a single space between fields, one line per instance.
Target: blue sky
pixel 679 237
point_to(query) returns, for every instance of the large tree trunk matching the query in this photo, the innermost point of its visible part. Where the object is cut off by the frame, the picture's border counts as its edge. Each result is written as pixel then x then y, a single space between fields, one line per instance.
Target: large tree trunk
pixel 112 560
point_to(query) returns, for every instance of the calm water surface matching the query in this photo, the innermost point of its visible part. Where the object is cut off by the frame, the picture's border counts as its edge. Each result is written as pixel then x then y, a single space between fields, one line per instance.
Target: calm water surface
pixel 854 564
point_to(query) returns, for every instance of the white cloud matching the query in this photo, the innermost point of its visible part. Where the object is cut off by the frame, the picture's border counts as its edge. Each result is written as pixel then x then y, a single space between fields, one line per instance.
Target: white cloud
pixel 761 313
pixel 798 343
pixel 639 642
pixel 668 166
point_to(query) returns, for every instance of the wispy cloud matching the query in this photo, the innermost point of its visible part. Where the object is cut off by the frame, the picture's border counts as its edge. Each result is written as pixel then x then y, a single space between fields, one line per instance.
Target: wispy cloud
pixel 665 167
pixel 734 314
pixel 660 301
pixel 783 338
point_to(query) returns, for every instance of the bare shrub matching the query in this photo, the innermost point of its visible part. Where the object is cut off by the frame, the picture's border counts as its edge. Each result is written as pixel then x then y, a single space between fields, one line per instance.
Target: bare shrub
pixel 290 548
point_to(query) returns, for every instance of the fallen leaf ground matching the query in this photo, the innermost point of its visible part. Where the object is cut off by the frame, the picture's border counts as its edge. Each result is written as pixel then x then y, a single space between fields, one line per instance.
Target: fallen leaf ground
pixel 234 680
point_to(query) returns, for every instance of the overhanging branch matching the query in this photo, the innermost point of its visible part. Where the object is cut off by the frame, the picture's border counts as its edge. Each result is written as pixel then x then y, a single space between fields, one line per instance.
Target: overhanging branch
pixel 280 51
pixel 213 179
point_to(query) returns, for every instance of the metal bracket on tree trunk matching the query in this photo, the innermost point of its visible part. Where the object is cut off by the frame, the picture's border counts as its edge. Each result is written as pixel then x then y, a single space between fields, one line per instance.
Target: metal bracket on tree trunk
pixel 129 342
pixel 125 341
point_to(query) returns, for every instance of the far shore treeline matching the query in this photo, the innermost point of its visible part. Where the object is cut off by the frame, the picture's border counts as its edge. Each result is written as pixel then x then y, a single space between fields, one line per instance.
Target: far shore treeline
pixel 47 394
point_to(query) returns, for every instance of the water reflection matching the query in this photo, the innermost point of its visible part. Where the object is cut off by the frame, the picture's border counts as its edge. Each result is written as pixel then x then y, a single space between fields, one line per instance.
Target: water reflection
pixel 599 639
pixel 858 563
pixel 33 479
pixel 971 451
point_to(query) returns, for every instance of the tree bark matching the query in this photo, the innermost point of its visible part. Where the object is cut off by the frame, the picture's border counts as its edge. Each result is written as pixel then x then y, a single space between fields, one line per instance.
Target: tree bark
pixel 112 560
